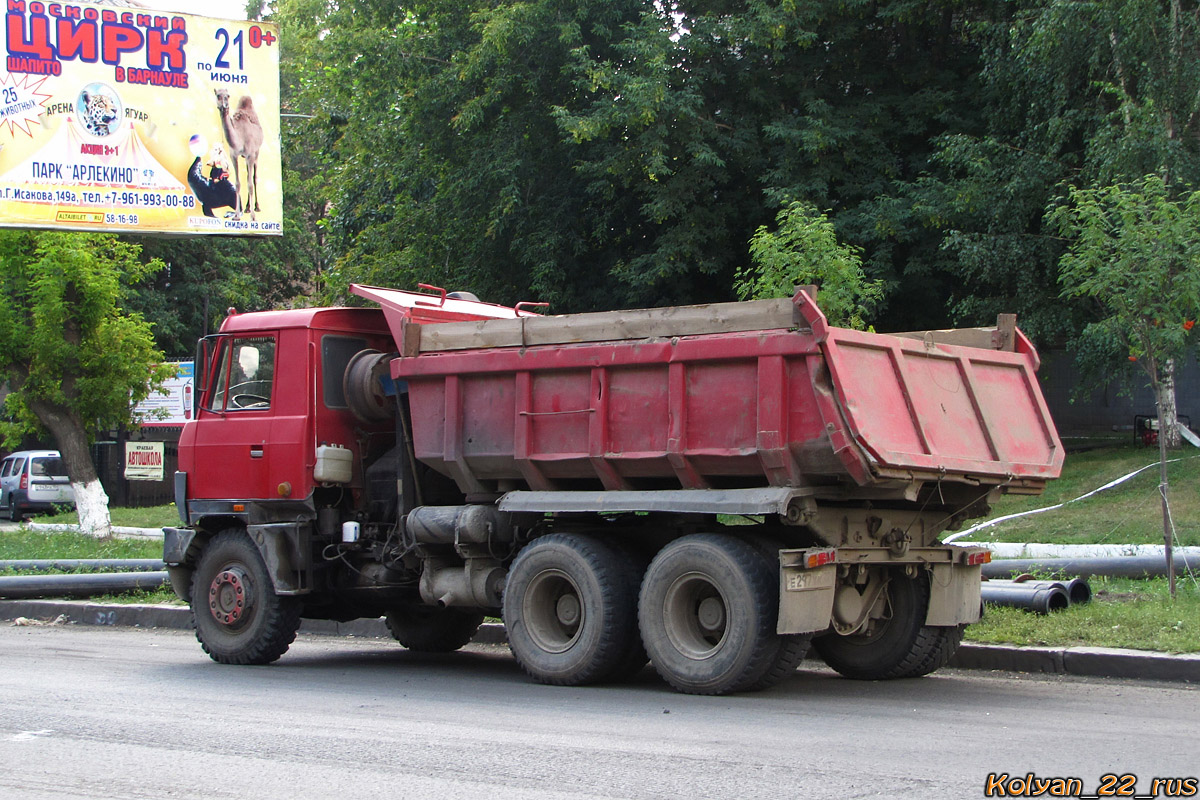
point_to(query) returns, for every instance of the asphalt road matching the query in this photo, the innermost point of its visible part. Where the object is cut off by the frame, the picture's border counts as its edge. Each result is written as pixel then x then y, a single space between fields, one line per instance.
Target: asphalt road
pixel 126 713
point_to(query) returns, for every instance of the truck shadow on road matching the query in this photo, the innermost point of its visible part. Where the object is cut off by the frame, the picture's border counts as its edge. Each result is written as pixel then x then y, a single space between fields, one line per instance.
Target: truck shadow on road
pixel 491 668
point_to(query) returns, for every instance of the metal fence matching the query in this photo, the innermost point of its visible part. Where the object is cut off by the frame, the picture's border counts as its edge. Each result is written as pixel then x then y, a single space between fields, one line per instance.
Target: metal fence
pixel 109 457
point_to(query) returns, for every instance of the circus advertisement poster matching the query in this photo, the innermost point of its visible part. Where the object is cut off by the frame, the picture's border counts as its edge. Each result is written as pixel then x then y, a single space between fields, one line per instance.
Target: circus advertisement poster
pixel 138 121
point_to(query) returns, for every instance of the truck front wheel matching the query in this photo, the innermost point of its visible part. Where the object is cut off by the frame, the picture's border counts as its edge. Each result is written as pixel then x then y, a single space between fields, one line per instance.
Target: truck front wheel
pixel 707 612
pixel 895 644
pixel 237 615
pixel 570 607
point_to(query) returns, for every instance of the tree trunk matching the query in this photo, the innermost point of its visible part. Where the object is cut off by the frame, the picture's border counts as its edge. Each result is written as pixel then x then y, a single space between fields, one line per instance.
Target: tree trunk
pixel 1165 396
pixel 91 501
pixel 1168 416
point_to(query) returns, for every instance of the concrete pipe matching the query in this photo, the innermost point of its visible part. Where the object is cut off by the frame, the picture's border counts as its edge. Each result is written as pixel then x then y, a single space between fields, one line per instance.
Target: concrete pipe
pixel 30 586
pixel 1040 599
pixel 1077 589
pixel 67 564
pixel 1111 566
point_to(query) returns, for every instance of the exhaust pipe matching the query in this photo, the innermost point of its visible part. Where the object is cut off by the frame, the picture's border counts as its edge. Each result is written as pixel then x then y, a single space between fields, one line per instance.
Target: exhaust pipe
pixel 1039 599
pixel 30 586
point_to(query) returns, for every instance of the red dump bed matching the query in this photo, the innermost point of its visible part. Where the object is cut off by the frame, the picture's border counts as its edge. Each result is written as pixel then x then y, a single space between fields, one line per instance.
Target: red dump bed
pixel 725 396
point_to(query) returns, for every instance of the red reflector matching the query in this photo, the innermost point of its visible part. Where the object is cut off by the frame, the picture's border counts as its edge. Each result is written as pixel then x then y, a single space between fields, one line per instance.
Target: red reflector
pixel 975 559
pixel 821 558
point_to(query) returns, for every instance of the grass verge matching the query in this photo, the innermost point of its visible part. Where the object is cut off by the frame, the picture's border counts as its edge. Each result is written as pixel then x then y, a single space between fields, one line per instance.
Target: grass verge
pixel 28 544
pixel 1130 513
pixel 164 596
pixel 25 543
pixel 1138 614
pixel 149 517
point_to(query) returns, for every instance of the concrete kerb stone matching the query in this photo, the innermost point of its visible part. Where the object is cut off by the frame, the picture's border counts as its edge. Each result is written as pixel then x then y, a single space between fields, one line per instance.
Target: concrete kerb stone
pixel 1111 662
pixel 119 531
pixel 1011 659
pixel 1098 662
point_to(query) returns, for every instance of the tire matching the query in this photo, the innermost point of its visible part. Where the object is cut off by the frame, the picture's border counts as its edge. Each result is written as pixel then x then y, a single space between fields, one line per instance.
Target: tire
pixel 256 626
pixel 431 629
pixel 14 513
pixel 792 647
pixel 792 650
pixel 635 657
pixel 900 646
pixel 934 649
pixel 707 613
pixel 570 610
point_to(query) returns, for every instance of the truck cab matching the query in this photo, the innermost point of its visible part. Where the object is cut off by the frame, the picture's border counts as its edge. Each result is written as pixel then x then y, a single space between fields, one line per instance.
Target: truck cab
pixel 271 392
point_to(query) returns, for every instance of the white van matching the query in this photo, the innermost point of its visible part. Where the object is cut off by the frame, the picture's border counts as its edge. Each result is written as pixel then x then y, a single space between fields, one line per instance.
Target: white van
pixel 34 480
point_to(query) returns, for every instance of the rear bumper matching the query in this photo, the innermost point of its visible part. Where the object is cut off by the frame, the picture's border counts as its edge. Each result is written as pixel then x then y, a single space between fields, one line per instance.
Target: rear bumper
pixel 24 502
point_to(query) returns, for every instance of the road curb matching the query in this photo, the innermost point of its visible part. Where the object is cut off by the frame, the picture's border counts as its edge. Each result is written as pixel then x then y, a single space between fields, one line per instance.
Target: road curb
pixel 1096 662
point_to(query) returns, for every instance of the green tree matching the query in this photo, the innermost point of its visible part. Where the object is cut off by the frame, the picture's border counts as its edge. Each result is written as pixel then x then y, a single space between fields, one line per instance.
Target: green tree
pixel 610 153
pixel 1075 94
pixel 201 277
pixel 804 250
pixel 73 359
pixel 1135 253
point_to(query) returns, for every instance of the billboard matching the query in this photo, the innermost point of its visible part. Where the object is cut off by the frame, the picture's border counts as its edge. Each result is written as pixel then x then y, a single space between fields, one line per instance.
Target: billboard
pixel 172 406
pixel 130 121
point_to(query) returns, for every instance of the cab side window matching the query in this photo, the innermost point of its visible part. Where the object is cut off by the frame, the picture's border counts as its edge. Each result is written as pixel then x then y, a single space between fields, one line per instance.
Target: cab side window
pixel 336 352
pixel 6 470
pixel 245 375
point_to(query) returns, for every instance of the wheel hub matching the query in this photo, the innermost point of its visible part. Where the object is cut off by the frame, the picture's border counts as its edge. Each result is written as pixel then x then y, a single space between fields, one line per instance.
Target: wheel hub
pixel 695 615
pixel 711 614
pixel 553 611
pixel 568 609
pixel 229 597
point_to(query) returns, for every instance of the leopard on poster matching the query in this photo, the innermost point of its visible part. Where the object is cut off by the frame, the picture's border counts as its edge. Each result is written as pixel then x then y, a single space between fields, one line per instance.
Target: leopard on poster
pixel 122 119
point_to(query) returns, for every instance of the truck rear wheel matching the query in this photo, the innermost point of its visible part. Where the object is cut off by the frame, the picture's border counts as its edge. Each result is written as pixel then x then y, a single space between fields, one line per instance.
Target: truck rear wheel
pixel 431 629
pixel 792 647
pixel 707 613
pixel 792 650
pixel 935 648
pixel 634 658
pixel 237 615
pixel 898 644
pixel 571 611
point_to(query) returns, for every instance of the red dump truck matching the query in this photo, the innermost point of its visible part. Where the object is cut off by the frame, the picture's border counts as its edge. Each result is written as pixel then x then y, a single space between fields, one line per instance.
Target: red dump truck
pixel 711 488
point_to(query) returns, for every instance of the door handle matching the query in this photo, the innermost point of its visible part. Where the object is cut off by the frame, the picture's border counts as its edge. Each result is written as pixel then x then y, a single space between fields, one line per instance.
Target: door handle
pixel 256 451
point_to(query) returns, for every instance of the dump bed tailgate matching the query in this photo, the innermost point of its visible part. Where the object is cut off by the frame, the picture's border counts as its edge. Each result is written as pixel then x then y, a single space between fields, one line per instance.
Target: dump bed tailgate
pixel 922 406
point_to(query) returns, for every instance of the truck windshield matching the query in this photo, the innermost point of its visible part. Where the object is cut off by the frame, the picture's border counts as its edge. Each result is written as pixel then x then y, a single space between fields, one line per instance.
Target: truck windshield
pixel 245 374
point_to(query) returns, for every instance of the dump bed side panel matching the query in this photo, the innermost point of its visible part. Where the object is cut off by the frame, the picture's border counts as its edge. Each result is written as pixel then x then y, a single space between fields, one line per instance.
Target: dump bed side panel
pixel 717 411
pixel 796 406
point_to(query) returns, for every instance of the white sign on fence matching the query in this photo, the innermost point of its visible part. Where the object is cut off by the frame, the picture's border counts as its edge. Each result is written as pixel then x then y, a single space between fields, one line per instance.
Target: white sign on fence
pixel 144 461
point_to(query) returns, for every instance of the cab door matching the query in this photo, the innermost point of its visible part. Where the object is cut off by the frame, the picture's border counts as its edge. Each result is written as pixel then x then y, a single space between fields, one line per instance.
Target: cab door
pixel 233 426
